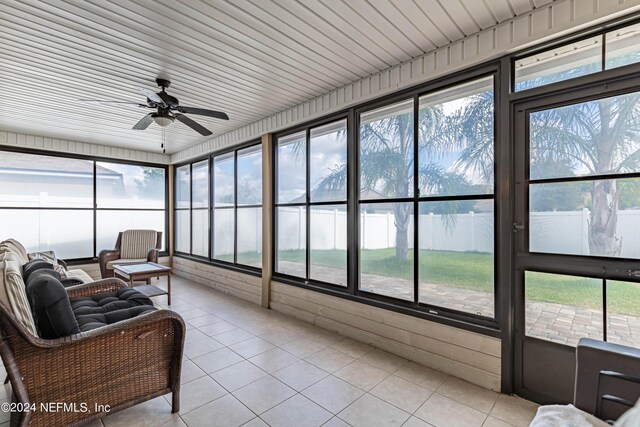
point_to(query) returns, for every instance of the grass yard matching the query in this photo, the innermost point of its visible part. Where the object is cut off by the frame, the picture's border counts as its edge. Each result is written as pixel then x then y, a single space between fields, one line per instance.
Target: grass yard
pixel 474 270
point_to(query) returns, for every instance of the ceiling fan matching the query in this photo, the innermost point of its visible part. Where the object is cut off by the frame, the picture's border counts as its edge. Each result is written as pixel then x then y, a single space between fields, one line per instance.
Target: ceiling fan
pixel 168 109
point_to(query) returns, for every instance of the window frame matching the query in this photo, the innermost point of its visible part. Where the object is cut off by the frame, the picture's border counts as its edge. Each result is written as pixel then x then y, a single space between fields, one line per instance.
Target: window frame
pixel 307 204
pixel 243 268
pixel 97 159
pixel 463 320
pixel 604 73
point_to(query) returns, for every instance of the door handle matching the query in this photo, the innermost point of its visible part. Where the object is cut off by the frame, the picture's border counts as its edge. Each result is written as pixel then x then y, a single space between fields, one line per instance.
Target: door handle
pixel 517 227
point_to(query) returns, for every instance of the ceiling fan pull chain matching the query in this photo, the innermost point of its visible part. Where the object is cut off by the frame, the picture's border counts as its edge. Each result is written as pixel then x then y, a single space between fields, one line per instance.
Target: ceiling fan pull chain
pixel 163 141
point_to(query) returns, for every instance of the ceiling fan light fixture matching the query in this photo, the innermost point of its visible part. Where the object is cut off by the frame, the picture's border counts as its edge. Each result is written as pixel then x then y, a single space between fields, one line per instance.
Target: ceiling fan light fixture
pixel 163 120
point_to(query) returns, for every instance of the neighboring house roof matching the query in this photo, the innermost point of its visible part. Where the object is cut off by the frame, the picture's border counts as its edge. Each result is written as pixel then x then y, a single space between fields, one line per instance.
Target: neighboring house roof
pixel 58 165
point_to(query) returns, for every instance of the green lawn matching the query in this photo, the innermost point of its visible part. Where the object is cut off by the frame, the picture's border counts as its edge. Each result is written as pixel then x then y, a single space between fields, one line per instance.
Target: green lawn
pixel 473 270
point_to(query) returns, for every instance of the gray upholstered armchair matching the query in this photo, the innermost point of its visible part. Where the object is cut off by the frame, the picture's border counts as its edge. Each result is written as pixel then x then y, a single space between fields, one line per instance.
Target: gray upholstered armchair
pixel 132 247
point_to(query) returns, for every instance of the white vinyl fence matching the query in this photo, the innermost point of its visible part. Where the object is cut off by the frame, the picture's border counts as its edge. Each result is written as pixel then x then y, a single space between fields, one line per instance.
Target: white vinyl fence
pixel 553 232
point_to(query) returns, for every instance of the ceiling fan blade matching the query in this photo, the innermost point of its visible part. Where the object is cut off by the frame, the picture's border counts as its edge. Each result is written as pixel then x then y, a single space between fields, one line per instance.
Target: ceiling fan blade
pixel 144 122
pixel 108 102
pixel 204 112
pixel 193 125
pixel 151 95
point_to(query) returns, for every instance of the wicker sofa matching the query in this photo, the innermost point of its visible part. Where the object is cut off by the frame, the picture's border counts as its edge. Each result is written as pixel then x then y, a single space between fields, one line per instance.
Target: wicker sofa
pixel 95 372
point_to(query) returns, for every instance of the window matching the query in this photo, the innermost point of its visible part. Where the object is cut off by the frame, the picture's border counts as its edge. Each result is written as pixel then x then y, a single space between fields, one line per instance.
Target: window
pixel 386 148
pixel 231 222
pixel 556 65
pixel 423 214
pixel 584 185
pixel 128 197
pixel 456 208
pixel 183 212
pixel 200 208
pixel 249 207
pixel 38 193
pixel 447 211
pixel 562 308
pixel 311 208
pixel 587 56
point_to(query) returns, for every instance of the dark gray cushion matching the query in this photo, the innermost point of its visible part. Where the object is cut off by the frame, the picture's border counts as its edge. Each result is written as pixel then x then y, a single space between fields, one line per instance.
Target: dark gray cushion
pixel 88 322
pixel 36 265
pixel 50 306
pixel 104 309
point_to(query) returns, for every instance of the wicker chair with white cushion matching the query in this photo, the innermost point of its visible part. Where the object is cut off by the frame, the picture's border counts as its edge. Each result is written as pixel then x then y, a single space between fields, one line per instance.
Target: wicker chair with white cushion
pixel 132 247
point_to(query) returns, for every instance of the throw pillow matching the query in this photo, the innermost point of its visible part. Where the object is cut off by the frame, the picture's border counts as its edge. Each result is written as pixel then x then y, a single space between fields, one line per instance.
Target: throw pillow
pixel 50 257
pixel 51 307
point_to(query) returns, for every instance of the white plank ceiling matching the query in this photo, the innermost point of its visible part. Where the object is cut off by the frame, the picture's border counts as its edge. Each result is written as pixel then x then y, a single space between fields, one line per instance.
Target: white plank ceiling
pixel 249 58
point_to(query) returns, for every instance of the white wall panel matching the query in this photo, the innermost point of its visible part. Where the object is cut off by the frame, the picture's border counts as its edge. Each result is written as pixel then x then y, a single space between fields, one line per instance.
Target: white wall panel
pixel 74 147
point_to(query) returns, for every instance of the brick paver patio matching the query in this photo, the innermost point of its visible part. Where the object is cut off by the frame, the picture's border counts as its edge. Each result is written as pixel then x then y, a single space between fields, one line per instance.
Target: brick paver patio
pixel 559 323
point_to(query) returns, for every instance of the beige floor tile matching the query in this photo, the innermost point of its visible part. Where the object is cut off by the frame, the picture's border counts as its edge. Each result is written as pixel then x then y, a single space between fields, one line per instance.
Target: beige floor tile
pixel 217 328
pixel 233 336
pixel 190 371
pixel 323 336
pixel 208 319
pixel 470 394
pixel 352 348
pixel 279 335
pixel 252 347
pixel 238 375
pixel 330 359
pixel 333 393
pixel 197 393
pixel 421 375
pixel 200 347
pixel 369 411
pixel 194 335
pixel 224 412
pixel 384 360
pixel 300 375
pixel 514 410
pixel 335 422
pixel 264 394
pixel 303 347
pixel 192 313
pixel 416 422
pixel 217 360
pixel 362 375
pixel 401 393
pixel 151 413
pixel 273 360
pixel 256 422
pixel 441 411
pixel 297 411
pixel 494 422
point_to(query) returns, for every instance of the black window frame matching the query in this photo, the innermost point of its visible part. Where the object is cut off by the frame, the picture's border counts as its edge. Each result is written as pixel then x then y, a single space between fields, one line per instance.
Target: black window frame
pixel 97 159
pixel 463 320
pixel 598 31
pixel 308 204
pixel 209 259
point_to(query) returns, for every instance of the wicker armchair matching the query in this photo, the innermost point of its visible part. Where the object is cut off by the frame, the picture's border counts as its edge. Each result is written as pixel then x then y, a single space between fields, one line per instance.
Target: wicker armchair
pixel 108 257
pixel 119 365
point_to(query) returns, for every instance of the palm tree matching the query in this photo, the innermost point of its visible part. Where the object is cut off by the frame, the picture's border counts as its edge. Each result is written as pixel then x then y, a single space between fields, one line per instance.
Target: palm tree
pixel 387 164
pixel 599 137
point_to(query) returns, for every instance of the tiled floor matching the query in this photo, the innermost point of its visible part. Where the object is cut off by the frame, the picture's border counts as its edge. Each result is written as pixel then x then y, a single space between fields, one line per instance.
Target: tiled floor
pixel 247 366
